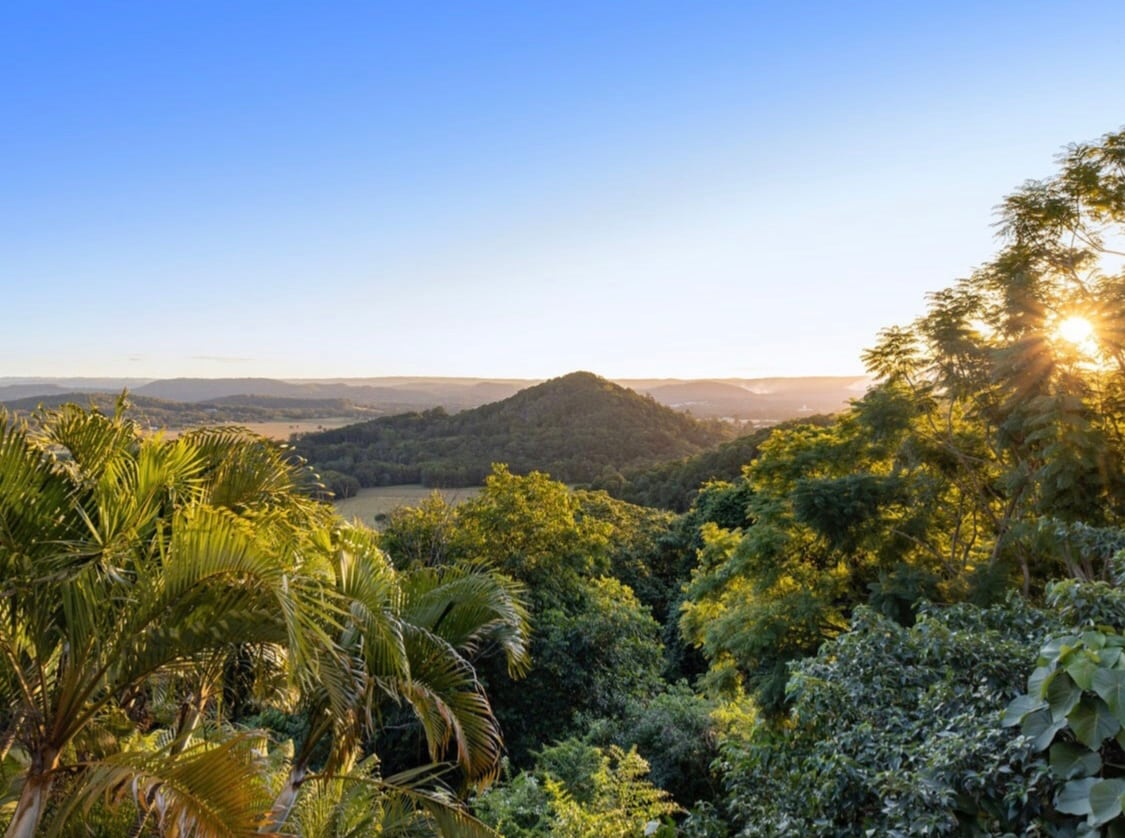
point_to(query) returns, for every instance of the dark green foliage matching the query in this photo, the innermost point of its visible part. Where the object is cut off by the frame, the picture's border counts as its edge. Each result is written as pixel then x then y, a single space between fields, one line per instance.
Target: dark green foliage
pixel 1074 705
pixel 339 485
pixel 840 509
pixel 895 731
pixel 577 427
pixel 674 485
pixel 595 648
pixel 591 659
pixel 674 732
pixel 644 547
pixel 726 505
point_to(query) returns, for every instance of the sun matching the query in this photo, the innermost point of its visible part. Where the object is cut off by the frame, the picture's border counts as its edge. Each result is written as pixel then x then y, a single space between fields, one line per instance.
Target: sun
pixel 1075 329
pixel 1079 333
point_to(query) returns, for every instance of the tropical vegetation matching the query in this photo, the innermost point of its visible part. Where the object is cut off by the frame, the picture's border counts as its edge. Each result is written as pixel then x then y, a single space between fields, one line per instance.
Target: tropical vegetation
pixel 191 644
pixel 906 619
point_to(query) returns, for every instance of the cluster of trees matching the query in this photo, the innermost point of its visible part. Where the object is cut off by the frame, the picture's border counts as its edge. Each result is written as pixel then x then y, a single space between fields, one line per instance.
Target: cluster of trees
pixel 985 464
pixel 907 620
pixel 191 645
pixel 164 413
pixel 674 484
pixel 578 428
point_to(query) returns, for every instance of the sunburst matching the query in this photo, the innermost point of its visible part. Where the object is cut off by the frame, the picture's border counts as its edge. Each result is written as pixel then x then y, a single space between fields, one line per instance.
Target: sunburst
pixel 1079 333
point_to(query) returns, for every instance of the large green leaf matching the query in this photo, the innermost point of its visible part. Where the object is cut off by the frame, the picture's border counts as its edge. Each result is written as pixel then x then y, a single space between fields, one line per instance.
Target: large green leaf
pixel 1105 800
pixel 1036 682
pixel 1070 761
pixel 1110 656
pixel 1110 685
pixel 1082 669
pixel 1074 799
pixel 1019 707
pixel 1093 640
pixel 1041 727
pixel 1092 722
pixel 1062 695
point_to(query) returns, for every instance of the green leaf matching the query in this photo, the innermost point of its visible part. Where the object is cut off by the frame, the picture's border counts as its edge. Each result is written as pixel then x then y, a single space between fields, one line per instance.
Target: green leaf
pixel 1105 800
pixel 1110 656
pixel 1092 722
pixel 1082 670
pixel 1054 647
pixel 1070 761
pixel 1041 727
pixel 1110 685
pixel 1074 799
pixel 1019 707
pixel 1093 640
pixel 1063 694
pixel 1036 683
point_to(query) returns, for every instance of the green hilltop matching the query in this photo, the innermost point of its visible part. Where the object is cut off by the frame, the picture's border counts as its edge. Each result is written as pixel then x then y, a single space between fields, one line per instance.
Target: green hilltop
pixel 578 428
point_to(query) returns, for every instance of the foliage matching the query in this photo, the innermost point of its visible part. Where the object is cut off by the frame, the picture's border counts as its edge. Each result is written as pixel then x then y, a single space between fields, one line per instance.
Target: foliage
pixel 579 791
pixel 594 646
pixel 233 410
pixel 675 733
pixel 533 528
pixel 421 535
pixel 674 485
pixel 156 591
pixel 1074 706
pixel 576 427
pixel 894 731
pixel 591 660
pixel 989 455
pixel 644 549
pixel 1027 420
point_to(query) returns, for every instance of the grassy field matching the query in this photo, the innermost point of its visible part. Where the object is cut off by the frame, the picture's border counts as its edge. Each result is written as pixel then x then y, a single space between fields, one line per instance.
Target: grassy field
pixel 381 500
pixel 280 430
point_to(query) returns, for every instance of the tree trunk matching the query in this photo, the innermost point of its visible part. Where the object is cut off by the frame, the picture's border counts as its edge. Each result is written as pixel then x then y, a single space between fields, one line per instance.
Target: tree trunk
pixel 285 801
pixel 33 797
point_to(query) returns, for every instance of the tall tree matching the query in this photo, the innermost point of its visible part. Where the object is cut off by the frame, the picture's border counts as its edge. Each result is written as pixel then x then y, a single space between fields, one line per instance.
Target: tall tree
pixel 140 576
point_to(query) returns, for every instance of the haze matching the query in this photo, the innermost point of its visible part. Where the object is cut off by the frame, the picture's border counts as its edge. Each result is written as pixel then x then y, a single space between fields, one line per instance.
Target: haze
pixel 514 190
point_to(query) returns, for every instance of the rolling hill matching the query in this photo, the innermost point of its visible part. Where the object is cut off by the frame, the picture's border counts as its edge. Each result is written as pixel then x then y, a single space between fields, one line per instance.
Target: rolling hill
pixel 577 428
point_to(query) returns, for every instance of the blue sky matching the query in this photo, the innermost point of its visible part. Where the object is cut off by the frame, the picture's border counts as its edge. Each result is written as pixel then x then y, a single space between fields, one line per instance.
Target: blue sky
pixel 514 189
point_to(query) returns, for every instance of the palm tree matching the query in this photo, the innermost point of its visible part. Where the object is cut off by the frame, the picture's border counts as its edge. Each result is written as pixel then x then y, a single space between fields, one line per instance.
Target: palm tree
pixel 134 570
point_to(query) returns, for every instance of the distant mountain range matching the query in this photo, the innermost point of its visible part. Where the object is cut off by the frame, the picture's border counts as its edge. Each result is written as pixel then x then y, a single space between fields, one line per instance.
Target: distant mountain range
pixel 762 400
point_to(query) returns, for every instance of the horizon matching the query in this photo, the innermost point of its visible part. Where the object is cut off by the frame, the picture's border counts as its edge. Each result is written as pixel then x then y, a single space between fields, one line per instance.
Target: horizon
pixel 367 191
pixel 31 379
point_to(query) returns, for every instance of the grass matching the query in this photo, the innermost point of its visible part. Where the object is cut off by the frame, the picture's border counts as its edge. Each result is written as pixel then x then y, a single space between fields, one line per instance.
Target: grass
pixel 280 429
pixel 370 503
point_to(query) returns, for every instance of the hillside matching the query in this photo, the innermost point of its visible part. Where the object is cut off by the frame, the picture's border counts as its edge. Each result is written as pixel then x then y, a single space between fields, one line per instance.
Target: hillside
pixel 577 428
pixel 673 485
pixel 161 413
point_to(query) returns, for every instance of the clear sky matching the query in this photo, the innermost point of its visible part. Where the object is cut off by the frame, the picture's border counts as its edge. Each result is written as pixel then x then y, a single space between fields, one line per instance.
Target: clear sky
pixel 517 189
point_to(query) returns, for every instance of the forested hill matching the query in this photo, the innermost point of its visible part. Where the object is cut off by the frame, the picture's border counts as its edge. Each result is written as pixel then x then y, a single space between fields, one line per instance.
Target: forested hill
pixel 577 428
pixel 674 484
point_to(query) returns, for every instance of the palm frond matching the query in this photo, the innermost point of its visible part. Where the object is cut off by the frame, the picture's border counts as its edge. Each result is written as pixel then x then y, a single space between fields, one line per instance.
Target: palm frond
pixel 470 606
pixel 451 705
pixel 208 790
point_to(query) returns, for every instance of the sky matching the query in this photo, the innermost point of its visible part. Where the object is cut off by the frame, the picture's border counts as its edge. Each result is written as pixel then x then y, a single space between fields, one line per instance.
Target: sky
pixel 521 189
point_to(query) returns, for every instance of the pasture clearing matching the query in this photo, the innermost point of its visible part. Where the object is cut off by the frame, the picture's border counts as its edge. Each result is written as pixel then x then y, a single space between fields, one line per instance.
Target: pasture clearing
pixel 381 500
